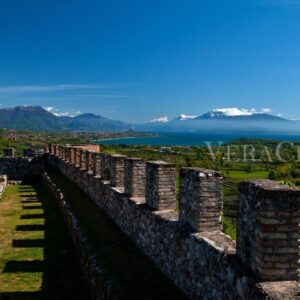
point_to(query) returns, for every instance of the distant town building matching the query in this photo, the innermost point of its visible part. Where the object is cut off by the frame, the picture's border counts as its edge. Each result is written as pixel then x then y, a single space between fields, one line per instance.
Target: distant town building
pixel 165 150
pixel 9 152
pixel 33 152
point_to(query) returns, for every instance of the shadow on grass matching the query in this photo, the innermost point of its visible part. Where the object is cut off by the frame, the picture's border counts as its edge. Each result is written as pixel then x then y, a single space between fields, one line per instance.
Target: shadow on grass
pixel 32 207
pixel 31 201
pixel 34 227
pixel 32 216
pixel 15 266
pixel 61 274
pixel 40 243
pixel 22 295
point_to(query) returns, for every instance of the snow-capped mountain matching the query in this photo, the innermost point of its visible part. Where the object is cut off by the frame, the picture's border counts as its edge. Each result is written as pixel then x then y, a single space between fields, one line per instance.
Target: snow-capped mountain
pixel 241 114
pixel 225 120
pixel 229 112
pixel 184 117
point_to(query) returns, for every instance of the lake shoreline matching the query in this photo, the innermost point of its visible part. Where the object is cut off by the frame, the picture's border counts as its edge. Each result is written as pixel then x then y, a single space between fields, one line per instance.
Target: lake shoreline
pixel 191 139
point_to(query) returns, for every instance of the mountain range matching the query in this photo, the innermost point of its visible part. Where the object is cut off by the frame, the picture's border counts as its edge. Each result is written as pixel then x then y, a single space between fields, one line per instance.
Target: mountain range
pixel 216 121
pixel 38 119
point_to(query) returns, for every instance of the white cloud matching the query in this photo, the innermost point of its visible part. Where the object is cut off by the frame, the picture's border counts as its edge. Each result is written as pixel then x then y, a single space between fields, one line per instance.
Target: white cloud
pixel 67 114
pixel 19 89
pixel 49 108
pixel 235 111
pixel 266 110
pixel 57 113
pixel 163 119
pixel 184 117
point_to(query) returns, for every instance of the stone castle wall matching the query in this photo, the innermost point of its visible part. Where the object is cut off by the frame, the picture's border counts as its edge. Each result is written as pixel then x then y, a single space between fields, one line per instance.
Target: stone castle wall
pixel 189 247
pixel 21 169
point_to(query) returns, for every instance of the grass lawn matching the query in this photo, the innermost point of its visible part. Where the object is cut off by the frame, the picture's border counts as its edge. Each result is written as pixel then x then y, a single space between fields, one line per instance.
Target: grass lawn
pixel 36 258
pixel 229 226
pixel 242 175
pixel 231 180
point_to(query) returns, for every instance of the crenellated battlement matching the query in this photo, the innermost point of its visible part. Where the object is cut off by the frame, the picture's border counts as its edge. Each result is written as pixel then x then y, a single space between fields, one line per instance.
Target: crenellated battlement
pixel 189 246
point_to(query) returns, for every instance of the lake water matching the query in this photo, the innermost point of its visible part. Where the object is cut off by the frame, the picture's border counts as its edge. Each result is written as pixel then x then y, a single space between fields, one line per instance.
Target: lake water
pixel 192 139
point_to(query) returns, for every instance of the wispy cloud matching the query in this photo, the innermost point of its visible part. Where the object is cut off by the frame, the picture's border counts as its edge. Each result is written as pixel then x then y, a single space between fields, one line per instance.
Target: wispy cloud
pixel 176 78
pixel 57 113
pixel 105 96
pixel 266 110
pixel 163 119
pixel 18 89
pixel 236 111
pixel 184 117
pixel 49 108
pixel 68 114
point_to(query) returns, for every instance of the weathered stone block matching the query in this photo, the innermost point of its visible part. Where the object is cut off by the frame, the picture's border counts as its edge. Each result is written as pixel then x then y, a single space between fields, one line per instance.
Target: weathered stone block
pixel 77 156
pixel 268 229
pixel 51 148
pixel 89 161
pixel 56 150
pixel 60 149
pixel 82 159
pixel 72 155
pixel 63 152
pixel 96 164
pixel 117 165
pixel 67 154
pixel 105 166
pixel 201 199
pixel 135 177
pixel 161 185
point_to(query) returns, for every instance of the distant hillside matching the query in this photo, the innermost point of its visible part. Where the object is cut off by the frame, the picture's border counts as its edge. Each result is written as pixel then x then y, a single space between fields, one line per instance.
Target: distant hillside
pixel 28 118
pixel 226 121
pixel 91 122
pixel 216 121
pixel 216 115
pixel 38 119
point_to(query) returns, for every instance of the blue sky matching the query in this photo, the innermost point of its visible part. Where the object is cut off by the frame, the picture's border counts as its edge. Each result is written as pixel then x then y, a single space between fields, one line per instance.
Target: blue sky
pixel 136 60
